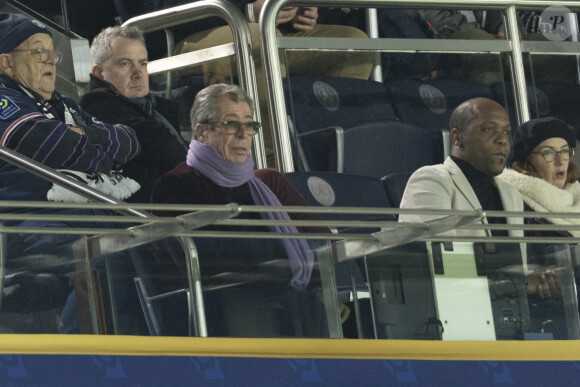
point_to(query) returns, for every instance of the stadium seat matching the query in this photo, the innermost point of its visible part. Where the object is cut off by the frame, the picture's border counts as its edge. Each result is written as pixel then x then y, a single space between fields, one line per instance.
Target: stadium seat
pixel 394 185
pixel 330 189
pixel 545 99
pixel 167 309
pixel 315 103
pixel 429 104
pixel 378 148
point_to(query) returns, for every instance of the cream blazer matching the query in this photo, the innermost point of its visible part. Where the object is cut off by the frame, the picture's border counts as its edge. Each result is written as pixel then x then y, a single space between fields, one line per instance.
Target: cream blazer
pixel 444 186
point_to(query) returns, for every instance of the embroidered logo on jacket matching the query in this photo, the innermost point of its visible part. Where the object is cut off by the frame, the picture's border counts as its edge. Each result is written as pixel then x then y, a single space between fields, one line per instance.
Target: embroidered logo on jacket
pixel 7 107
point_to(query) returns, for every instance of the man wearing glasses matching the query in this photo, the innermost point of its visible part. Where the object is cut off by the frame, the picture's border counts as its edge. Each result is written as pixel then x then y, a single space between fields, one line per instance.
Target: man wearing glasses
pixel 37 122
pixel 119 92
pixel 218 170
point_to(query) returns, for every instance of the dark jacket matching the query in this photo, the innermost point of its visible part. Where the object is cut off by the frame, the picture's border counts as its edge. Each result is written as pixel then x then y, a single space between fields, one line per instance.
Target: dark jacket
pixel 37 129
pixel 162 148
pixel 185 185
pixel 543 253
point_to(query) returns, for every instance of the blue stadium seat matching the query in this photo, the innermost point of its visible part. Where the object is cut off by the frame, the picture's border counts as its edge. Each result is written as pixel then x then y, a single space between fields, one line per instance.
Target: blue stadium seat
pixel 429 104
pixel 378 148
pixel 328 189
pixel 545 99
pixel 394 185
pixel 315 103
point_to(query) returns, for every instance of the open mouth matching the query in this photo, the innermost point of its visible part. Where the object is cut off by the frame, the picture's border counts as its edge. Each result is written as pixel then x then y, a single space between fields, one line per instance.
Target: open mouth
pixel 561 174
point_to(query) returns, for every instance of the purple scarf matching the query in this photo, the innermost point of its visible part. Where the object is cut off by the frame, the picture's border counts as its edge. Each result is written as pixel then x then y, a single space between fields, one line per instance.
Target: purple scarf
pixel 226 173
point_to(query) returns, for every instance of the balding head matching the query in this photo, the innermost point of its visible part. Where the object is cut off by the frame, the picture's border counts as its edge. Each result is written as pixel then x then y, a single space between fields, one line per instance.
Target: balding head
pixel 480 135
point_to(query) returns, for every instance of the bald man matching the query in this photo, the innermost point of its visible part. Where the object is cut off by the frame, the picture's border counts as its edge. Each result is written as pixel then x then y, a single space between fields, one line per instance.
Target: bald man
pixel 480 144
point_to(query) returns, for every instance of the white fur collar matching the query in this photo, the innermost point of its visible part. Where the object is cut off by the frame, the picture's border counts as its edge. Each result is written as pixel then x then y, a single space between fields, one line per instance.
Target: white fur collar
pixel 542 196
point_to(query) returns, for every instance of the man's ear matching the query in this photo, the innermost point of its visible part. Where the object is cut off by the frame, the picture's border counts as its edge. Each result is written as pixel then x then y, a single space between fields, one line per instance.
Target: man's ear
pixel 6 64
pixel 199 133
pixel 456 137
pixel 97 71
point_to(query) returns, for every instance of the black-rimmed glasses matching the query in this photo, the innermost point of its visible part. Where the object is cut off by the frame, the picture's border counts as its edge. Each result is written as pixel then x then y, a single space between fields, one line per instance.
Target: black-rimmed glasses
pixel 233 127
pixel 549 154
pixel 43 54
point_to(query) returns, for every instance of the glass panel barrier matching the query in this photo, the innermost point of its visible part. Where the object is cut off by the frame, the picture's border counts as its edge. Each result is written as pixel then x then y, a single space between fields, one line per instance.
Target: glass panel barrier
pixel 49 9
pixel 473 291
pixel 237 279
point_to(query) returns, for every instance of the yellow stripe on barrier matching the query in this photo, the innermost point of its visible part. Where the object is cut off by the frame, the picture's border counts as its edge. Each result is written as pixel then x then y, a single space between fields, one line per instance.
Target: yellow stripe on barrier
pixel 290 348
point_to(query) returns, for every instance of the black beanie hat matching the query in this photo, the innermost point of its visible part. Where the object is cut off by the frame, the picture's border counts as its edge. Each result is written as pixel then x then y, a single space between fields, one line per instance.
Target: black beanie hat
pixel 533 132
pixel 16 28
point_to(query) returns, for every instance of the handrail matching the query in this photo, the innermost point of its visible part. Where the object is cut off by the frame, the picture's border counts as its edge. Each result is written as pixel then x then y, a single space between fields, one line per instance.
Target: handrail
pixel 69 183
pixel 242 44
pixel 185 223
pixel 101 245
pixel 271 61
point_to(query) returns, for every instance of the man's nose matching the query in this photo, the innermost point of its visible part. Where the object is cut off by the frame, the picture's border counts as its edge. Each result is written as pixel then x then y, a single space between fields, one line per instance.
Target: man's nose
pixel 52 58
pixel 503 138
pixel 137 71
pixel 242 132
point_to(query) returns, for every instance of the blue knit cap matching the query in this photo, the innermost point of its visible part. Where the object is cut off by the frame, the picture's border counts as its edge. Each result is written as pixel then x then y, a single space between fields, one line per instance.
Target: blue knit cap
pixel 16 28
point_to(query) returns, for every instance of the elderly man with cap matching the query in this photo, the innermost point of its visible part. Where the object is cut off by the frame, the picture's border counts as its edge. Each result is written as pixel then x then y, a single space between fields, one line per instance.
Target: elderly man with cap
pixel 39 123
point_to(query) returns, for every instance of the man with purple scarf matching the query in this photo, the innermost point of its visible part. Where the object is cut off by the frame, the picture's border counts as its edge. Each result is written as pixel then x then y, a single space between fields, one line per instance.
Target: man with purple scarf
pixel 219 169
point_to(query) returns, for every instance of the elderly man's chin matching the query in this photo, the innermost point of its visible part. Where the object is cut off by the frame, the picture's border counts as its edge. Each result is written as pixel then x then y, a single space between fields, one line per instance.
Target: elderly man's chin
pixel 238 157
pixel 47 89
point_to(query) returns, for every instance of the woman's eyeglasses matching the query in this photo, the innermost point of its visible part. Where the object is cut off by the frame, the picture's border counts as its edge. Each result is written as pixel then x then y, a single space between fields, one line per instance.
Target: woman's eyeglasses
pixel 549 154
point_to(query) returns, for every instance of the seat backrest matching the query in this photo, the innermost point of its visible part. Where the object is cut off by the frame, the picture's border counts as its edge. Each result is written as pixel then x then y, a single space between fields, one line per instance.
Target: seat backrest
pixel 429 103
pixel 378 148
pixel 160 278
pixel 545 99
pixel 319 102
pixel 394 185
pixel 329 189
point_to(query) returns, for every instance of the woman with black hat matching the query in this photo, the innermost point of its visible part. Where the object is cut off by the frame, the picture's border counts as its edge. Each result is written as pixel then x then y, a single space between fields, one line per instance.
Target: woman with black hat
pixel 543 170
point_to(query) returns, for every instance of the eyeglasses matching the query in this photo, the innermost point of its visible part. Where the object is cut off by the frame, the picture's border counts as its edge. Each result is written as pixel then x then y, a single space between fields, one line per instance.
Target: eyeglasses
pixel 233 127
pixel 549 154
pixel 43 54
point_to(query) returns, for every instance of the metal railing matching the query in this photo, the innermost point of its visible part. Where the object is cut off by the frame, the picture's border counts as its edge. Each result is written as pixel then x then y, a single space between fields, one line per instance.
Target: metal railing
pixel 241 47
pixel 270 44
